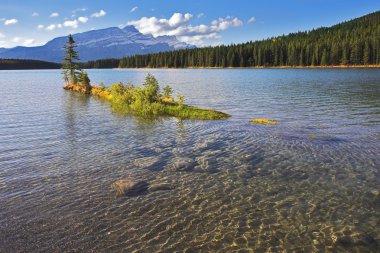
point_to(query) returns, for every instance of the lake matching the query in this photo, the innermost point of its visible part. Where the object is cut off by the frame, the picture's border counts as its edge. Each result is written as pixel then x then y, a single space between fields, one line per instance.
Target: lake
pixel 310 183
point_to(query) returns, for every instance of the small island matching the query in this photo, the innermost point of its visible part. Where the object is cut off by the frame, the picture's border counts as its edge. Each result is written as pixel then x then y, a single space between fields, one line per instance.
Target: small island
pixel 146 100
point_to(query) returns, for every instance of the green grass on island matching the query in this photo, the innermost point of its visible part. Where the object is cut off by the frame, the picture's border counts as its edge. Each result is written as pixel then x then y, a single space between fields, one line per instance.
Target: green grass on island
pixel 147 100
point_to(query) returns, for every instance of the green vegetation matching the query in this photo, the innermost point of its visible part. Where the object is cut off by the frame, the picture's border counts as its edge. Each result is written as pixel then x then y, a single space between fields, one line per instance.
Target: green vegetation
pixel 263 121
pixel 167 91
pixel 8 64
pixel 148 101
pixel 72 74
pixel 355 42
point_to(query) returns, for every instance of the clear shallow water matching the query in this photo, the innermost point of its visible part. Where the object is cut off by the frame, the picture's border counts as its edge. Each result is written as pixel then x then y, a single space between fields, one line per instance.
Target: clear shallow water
pixel 310 183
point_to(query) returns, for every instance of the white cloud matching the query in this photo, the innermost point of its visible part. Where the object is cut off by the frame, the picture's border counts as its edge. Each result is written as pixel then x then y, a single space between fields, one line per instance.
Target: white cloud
pixel 3 43
pixel 2 35
pixel 59 26
pixel 54 15
pixel 28 42
pixel 179 26
pixel 134 9
pixel 17 41
pixel 79 9
pixel 83 19
pixel 10 21
pixel 251 20
pixel 179 19
pixel 200 15
pixel 71 23
pixel 40 26
pixel 51 27
pixel 35 14
pixel 99 14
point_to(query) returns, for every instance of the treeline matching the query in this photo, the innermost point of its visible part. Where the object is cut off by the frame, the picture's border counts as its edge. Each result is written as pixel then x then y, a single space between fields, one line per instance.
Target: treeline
pixel 9 64
pixel 356 42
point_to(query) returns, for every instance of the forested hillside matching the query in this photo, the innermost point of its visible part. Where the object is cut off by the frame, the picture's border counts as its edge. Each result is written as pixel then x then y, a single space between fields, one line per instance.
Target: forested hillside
pixel 7 64
pixel 356 42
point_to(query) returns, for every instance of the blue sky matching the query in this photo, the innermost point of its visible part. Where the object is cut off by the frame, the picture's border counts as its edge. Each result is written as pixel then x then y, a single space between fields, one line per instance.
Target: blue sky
pixel 200 22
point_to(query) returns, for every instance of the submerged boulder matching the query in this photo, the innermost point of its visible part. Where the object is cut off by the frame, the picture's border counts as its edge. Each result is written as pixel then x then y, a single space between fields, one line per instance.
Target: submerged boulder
pixel 207 164
pixel 130 187
pixel 182 164
pixel 146 162
pixel 160 187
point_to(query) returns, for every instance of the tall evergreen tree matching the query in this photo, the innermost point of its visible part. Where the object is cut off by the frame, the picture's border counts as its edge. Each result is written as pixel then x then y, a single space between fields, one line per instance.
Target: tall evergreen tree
pixel 69 66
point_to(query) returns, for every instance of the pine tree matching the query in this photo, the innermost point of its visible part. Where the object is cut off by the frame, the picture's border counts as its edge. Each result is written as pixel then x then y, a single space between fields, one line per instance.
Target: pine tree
pixel 70 68
pixel 367 54
pixel 324 58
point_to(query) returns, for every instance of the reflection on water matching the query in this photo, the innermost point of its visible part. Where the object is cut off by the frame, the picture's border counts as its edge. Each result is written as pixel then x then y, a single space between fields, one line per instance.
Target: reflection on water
pixel 310 183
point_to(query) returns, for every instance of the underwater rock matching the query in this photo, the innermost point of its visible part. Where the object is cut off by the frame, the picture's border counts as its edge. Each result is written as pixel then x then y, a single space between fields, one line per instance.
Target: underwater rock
pixel 182 164
pixel 207 164
pixel 160 187
pixel 361 239
pixel 327 138
pixel 264 121
pixel 313 136
pixel 130 187
pixel 146 162
pixel 375 193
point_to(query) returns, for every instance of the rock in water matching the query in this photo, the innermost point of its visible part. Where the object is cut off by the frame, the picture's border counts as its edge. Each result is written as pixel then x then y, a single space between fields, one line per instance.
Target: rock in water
pixel 146 162
pixel 130 187
pixel 182 164
pixel 160 187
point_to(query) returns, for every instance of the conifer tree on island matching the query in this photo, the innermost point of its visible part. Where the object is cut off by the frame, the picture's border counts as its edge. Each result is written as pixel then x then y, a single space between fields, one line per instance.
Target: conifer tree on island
pixel 70 68
pixel 72 74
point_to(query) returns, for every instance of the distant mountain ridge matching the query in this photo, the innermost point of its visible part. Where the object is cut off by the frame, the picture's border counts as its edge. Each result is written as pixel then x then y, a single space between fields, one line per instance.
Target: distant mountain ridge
pixel 111 42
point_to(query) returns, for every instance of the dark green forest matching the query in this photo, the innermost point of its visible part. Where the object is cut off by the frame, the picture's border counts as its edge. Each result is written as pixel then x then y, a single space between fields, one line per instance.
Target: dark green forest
pixel 356 42
pixel 8 64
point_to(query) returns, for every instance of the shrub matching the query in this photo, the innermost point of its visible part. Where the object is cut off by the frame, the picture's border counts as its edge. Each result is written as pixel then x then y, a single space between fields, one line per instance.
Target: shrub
pixel 83 78
pixel 102 86
pixel 181 100
pixel 151 88
pixel 167 91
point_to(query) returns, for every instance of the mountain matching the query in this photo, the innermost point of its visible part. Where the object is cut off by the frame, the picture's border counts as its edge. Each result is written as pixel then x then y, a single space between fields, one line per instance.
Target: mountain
pixel 355 42
pixel 99 44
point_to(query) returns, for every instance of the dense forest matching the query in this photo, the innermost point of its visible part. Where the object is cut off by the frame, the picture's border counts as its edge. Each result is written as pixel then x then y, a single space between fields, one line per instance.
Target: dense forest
pixel 7 64
pixel 356 42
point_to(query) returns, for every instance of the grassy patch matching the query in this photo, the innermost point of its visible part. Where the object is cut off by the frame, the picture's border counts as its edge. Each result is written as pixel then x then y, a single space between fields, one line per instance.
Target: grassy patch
pixel 264 121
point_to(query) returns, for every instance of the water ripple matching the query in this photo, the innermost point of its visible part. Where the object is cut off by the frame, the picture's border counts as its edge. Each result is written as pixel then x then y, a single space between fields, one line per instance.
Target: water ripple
pixel 310 183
